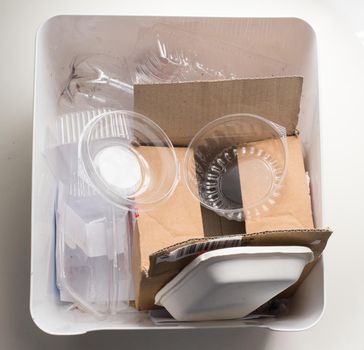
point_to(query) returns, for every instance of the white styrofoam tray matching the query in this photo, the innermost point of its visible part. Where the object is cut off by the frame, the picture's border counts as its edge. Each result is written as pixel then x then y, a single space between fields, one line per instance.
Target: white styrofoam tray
pixel 231 283
pixel 273 47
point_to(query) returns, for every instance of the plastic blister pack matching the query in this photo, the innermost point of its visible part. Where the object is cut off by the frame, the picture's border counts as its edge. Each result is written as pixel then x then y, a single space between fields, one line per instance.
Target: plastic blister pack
pixel 164 54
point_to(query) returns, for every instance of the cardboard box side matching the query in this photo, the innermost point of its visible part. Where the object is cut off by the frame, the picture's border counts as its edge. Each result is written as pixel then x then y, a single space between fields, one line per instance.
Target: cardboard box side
pixel 292 209
pixel 181 109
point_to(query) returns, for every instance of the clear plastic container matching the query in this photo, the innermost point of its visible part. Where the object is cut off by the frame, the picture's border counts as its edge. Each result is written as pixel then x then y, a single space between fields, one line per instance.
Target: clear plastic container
pixel 167 54
pixel 135 168
pixel 93 254
pixel 61 145
pixel 92 236
pixel 108 164
pixel 235 165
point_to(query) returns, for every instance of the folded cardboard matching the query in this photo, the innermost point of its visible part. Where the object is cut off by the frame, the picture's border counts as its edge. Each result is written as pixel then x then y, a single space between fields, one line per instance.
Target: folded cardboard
pixel 181 109
pixel 182 218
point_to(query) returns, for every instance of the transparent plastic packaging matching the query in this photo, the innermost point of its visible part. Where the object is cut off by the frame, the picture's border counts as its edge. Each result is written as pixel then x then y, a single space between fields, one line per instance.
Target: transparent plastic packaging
pixel 97 81
pixel 165 54
pixel 92 236
pixel 92 255
pixel 62 145
pixel 108 164
pixel 235 165
pixel 136 167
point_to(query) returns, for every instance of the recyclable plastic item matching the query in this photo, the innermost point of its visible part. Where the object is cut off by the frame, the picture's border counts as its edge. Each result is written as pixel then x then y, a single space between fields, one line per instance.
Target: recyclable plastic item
pixel 235 165
pixel 134 170
pixel 92 236
pixel 92 255
pixel 81 204
pixel 61 147
pixel 231 283
pixel 97 81
pixel 167 54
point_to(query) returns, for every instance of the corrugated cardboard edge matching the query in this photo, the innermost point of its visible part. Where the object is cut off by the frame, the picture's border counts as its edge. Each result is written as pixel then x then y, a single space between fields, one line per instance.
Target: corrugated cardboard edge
pixel 157 276
pixel 191 105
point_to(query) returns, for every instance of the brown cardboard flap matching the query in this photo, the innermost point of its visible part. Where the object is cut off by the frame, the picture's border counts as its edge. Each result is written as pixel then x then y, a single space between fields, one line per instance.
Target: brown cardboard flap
pixel 174 258
pixel 181 109
pixel 181 217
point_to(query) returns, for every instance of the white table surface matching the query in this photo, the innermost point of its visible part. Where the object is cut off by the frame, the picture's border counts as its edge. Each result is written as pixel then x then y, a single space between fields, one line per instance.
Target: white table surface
pixel 341 64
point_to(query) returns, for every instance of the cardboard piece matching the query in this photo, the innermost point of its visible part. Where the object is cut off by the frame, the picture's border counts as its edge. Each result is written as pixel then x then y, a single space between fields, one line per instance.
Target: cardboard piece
pixel 181 218
pixel 169 236
pixel 181 109
pixel 174 221
pixel 292 209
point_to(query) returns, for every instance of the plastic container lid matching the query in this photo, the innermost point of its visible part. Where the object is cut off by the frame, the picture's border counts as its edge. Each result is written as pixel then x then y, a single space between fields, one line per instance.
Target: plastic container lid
pixel 128 159
pixel 235 165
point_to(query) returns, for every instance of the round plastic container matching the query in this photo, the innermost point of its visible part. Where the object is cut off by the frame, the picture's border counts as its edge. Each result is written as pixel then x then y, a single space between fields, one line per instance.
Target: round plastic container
pixel 235 165
pixel 128 159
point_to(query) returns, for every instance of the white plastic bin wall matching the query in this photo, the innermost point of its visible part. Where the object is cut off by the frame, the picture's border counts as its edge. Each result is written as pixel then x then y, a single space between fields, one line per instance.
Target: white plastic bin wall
pixel 273 47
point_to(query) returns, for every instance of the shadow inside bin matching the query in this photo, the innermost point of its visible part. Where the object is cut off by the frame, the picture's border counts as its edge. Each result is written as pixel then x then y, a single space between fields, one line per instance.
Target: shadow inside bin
pixel 209 339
